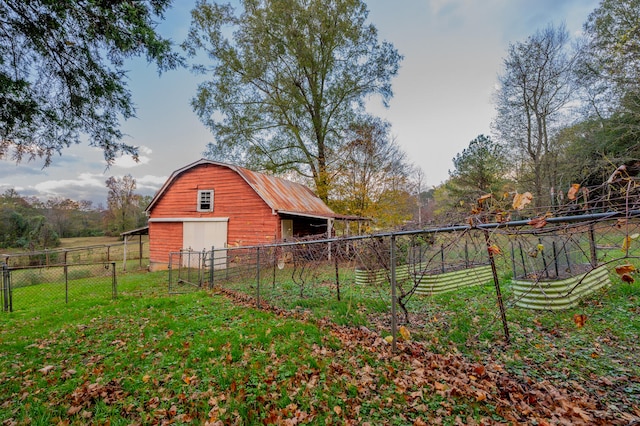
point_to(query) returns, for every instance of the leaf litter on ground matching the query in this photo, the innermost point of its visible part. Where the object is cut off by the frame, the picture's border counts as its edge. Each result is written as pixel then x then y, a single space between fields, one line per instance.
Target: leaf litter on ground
pixel 151 368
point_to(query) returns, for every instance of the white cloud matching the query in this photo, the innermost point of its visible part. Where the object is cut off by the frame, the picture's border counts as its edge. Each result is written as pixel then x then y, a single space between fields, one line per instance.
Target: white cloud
pixel 6 186
pixel 127 162
pixel 150 182
pixel 84 180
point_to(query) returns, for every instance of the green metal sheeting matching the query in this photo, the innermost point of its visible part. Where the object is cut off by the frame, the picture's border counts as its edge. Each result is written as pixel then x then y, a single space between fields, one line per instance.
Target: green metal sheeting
pixel 559 294
pixel 429 283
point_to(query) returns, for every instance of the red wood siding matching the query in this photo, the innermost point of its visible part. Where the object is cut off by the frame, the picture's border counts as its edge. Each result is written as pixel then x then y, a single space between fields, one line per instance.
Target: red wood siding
pixel 167 237
pixel 251 221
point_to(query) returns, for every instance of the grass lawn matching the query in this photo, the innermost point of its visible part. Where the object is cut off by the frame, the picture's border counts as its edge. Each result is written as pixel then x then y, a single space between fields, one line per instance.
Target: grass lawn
pixel 213 358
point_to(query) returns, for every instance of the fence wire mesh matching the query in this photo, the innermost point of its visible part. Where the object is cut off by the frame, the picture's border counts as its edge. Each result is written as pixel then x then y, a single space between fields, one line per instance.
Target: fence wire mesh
pixel 132 252
pixel 23 287
pixel 437 282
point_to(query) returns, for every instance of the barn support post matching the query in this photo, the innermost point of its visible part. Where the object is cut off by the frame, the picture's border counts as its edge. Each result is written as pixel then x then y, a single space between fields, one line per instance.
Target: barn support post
pixel 394 319
pixel 124 256
pixel 496 282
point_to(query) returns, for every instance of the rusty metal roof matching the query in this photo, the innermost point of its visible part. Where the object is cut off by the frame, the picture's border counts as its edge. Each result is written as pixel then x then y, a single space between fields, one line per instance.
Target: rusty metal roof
pixel 281 195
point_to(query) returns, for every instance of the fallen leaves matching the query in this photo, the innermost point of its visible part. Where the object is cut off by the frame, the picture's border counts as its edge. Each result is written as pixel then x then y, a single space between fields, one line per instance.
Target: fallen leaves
pixel 88 394
pixel 625 271
pixel 47 369
pixel 355 365
pixel 414 370
pixel 580 320
pixel 627 278
pixel 404 332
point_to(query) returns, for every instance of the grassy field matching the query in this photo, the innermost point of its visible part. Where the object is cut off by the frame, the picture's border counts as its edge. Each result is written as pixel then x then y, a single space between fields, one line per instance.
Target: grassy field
pixel 213 358
pixel 84 250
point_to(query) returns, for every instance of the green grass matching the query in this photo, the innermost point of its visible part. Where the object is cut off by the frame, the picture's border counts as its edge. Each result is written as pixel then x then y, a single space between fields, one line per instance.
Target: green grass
pixel 544 345
pixel 149 357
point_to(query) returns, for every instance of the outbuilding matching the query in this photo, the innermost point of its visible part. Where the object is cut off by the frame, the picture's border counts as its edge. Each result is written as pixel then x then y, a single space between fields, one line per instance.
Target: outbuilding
pixel 208 204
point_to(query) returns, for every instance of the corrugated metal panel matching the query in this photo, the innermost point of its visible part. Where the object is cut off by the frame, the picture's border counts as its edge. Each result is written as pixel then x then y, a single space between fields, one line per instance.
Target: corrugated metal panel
pixel 559 294
pixel 284 195
pixel 429 284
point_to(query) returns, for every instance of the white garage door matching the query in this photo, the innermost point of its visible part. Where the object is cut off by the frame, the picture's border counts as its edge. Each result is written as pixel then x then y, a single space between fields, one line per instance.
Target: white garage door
pixel 199 236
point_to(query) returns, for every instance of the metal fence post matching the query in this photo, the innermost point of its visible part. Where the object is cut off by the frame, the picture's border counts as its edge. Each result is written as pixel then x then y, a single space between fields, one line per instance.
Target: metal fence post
pixel 114 285
pixel 189 253
pixel 66 283
pixel 7 305
pixel 337 271
pixel 496 282
pixel 170 268
pixel 202 265
pixel 258 275
pixel 592 247
pixel 394 320
pixel 211 266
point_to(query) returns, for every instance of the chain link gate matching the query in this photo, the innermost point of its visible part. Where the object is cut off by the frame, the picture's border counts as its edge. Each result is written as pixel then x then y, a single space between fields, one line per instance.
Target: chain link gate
pixel 24 287
pixel 190 270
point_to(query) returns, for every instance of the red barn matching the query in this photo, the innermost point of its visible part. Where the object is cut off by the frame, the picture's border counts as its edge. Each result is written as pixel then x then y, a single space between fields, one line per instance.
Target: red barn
pixel 210 204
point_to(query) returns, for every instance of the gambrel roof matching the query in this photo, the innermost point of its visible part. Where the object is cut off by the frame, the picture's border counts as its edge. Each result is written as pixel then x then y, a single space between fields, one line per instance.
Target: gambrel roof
pixel 281 195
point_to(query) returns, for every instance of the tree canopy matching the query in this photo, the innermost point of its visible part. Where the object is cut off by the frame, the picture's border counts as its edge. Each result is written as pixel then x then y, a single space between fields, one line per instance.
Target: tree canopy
pixel 287 78
pixel 62 72
pixel 535 89
pixel 373 177
pixel 609 69
pixel 481 167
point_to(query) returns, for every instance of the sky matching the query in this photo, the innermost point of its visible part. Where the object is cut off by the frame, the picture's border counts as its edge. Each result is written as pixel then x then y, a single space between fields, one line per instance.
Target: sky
pixel 453 53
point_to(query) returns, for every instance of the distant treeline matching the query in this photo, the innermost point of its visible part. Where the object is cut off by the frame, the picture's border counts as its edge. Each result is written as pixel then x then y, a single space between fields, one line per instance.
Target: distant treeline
pixel 31 224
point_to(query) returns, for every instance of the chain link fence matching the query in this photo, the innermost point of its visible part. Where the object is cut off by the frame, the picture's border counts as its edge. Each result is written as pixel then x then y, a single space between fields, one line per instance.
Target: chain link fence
pixel 23 287
pixel 135 253
pixel 474 279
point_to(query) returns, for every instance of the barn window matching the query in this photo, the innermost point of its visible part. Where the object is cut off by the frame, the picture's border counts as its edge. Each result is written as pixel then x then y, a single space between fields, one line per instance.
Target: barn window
pixel 205 201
